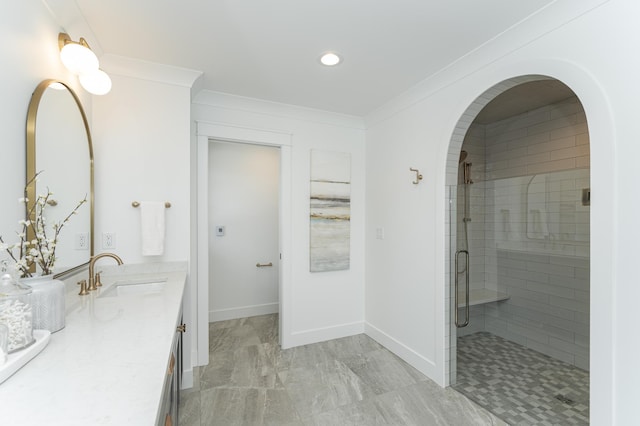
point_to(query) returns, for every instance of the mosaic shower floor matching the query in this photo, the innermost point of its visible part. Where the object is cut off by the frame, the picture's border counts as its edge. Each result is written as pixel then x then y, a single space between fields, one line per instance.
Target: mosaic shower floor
pixel 520 385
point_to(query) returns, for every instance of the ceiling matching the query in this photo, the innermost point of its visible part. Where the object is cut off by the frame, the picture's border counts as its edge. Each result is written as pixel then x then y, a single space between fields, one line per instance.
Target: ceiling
pixel 270 49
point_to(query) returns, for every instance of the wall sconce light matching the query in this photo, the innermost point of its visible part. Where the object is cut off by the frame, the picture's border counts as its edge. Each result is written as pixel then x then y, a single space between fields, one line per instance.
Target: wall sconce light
pixel 78 58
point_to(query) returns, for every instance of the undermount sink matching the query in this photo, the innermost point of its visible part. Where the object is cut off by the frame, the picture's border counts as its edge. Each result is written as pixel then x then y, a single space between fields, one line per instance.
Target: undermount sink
pixel 135 287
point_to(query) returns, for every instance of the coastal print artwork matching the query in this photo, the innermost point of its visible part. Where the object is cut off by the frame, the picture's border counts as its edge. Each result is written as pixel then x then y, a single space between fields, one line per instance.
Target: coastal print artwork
pixel 330 211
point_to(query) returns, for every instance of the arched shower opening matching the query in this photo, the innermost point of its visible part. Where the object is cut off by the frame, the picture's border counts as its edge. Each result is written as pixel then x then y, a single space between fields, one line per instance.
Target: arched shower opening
pixel 519 184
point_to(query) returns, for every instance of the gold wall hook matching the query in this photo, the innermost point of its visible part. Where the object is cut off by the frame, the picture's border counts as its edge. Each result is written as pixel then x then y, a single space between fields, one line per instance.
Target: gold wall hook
pixel 418 175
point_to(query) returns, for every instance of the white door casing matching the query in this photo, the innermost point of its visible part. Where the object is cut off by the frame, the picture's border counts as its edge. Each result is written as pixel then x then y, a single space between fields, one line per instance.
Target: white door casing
pixel 207 131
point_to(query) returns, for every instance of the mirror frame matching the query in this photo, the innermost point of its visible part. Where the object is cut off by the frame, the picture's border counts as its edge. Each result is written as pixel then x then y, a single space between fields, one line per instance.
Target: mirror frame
pixel 31 163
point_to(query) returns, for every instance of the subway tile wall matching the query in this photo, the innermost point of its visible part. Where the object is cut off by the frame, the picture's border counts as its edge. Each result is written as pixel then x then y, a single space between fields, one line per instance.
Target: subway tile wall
pixel 529 230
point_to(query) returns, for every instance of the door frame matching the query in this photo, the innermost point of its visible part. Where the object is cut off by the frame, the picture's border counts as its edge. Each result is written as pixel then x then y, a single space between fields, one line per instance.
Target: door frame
pixel 205 132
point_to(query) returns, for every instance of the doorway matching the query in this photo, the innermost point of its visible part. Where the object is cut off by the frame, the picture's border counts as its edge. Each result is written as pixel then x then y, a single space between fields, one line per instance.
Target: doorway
pixel 206 132
pixel 243 230
pixel 519 250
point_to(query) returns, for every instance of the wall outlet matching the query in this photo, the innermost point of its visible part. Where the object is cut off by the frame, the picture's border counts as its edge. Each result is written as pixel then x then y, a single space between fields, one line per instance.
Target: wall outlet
pixel 82 241
pixel 108 240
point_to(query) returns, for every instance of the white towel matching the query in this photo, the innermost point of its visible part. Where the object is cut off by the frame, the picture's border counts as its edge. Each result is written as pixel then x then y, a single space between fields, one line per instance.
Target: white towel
pixel 152 223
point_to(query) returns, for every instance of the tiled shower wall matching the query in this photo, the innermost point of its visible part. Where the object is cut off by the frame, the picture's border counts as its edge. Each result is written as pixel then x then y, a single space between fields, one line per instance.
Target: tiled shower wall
pixel 529 234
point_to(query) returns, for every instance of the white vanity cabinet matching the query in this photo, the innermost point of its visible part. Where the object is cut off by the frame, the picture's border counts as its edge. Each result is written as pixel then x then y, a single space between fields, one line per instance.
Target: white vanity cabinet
pixel 168 413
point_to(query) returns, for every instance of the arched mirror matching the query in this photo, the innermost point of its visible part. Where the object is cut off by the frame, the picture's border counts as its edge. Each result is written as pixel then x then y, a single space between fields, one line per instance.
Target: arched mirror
pixel 59 149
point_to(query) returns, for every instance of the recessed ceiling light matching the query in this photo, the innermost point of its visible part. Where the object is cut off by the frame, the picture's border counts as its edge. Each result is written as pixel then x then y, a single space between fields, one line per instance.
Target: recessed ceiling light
pixel 330 59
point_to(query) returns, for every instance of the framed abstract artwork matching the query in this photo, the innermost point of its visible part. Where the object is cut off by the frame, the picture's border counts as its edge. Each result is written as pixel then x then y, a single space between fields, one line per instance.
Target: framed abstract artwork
pixel 330 213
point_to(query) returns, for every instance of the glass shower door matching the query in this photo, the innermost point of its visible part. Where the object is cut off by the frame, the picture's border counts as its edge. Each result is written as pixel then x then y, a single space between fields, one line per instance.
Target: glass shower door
pixel 459 270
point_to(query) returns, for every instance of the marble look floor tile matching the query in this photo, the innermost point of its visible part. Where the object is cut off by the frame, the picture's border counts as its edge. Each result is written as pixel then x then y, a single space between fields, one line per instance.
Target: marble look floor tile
pixel 382 371
pixel 425 403
pixel 247 406
pixel 265 326
pixel 219 370
pixel 231 338
pixel 226 324
pixel 323 387
pixel 305 356
pixel 352 345
pixel 247 366
pixel 347 381
pixel 254 367
pixel 189 409
pixel 361 413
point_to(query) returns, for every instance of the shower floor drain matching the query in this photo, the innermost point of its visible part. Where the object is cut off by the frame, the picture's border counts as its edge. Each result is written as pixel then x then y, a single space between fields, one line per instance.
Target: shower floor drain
pixel 565 400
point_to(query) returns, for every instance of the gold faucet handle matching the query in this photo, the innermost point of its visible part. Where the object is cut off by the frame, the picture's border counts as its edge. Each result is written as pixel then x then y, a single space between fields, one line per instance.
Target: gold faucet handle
pixel 98 283
pixel 83 288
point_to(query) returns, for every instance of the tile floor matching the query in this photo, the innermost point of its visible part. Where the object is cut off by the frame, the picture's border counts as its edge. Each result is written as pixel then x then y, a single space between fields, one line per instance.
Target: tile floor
pixel 348 381
pixel 520 385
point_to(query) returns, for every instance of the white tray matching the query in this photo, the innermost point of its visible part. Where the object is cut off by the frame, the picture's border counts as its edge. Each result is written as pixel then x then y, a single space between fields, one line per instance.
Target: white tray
pixel 16 360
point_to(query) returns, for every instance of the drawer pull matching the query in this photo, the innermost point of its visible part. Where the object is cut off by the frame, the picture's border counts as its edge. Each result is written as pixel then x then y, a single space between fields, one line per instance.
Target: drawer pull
pixel 172 364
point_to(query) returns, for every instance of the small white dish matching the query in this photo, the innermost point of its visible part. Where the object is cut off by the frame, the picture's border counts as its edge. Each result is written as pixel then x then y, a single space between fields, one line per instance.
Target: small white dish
pixel 18 359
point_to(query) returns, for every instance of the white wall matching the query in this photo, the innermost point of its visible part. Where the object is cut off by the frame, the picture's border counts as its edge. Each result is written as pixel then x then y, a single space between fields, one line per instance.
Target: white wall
pixel 406 271
pixel 141 140
pixel 29 55
pixel 141 143
pixel 320 306
pixel 243 197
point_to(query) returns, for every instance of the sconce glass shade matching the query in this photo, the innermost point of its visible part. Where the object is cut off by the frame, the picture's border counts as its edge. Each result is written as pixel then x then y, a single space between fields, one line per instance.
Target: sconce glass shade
pixel 78 58
pixel 96 82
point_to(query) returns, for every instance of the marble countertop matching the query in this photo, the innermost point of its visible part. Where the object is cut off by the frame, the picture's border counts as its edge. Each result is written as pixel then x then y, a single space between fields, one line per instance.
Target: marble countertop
pixel 109 363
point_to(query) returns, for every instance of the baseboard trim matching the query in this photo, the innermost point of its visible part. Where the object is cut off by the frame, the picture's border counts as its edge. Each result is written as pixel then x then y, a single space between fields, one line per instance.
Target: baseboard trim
pixel 419 362
pixel 243 312
pixel 326 333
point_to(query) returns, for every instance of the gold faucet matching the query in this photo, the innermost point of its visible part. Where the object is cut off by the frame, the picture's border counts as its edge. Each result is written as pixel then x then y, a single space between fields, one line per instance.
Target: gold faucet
pixel 93 281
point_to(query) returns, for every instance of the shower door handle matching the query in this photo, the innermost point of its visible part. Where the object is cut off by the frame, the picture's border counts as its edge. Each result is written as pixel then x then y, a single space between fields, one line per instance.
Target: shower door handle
pixel 466 292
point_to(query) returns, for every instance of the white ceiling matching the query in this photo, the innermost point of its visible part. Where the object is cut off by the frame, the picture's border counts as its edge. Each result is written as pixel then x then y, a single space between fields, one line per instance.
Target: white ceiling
pixel 269 49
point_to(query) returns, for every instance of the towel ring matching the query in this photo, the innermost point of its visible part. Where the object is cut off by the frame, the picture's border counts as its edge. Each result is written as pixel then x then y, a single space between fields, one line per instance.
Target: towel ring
pixel 136 204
